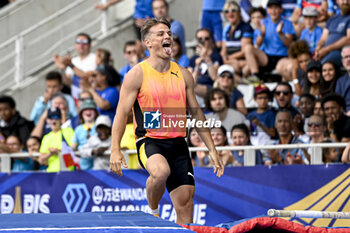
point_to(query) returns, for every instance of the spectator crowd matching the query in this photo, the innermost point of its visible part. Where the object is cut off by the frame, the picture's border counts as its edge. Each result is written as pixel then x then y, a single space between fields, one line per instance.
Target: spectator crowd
pixel 302 46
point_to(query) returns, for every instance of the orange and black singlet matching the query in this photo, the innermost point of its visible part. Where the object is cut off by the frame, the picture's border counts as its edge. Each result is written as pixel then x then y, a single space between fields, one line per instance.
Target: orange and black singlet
pixel 160 106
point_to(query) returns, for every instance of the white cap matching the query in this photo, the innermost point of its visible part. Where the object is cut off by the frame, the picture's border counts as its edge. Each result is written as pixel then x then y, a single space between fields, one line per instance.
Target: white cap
pixel 310 11
pixel 226 68
pixel 103 120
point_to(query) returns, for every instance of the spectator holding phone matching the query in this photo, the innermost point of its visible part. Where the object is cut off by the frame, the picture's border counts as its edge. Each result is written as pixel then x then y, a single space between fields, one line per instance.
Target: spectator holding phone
pixel 52 142
pixel 204 65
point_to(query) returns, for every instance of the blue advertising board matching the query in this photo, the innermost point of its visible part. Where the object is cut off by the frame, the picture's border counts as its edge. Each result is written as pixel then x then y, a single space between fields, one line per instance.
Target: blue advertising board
pixel 242 192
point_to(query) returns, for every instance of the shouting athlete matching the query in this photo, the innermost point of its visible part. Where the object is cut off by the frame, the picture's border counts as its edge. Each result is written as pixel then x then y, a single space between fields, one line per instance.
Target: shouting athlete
pixel 157 86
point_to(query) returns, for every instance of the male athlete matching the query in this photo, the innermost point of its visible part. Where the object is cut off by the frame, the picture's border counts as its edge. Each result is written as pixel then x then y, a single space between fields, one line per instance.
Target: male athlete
pixel 162 86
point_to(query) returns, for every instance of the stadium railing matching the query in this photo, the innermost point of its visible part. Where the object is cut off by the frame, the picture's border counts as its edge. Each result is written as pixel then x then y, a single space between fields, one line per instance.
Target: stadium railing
pixel 249 153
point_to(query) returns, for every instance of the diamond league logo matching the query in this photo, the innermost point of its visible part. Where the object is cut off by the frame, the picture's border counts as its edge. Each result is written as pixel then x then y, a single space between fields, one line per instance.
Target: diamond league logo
pixel 76 198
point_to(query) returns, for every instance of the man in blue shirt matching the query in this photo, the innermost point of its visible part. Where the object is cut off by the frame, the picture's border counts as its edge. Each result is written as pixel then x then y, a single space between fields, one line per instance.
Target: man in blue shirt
pixel 335 35
pixel 276 35
pixel 130 54
pixel 343 84
pixel 283 124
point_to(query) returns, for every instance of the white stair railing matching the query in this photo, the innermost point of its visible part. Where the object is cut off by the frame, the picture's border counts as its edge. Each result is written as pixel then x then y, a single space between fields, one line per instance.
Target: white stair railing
pixel 32 50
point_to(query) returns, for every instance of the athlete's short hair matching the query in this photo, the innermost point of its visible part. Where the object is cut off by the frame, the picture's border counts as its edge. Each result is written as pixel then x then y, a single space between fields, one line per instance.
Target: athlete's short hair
pixel 150 23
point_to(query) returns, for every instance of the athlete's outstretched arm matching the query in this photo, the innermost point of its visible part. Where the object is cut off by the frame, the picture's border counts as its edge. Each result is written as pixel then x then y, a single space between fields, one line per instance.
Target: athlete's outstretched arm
pixel 128 93
pixel 197 114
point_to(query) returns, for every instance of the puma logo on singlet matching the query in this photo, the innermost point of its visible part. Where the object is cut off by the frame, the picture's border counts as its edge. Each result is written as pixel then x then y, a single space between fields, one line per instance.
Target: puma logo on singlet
pixel 190 174
pixel 173 73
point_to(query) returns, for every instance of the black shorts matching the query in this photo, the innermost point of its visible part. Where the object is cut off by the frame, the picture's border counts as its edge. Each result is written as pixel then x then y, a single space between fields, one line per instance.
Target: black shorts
pixel 272 62
pixel 175 151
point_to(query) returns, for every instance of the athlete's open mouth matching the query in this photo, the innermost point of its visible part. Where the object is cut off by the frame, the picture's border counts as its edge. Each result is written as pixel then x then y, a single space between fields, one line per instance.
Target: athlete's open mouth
pixel 167 47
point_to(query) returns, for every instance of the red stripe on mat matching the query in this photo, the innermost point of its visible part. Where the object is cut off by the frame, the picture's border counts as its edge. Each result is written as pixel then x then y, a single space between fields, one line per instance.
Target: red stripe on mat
pixel 267 222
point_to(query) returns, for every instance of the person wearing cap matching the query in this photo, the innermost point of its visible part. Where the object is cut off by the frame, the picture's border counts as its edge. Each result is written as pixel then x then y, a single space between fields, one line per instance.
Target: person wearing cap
pixel 313 78
pixel 338 124
pixel 88 114
pixel 276 35
pixel 319 5
pixel 97 145
pixel 263 118
pixel 226 82
pixel 52 142
pixel 312 33
pixel 102 87
pixel 335 35
pixel 42 127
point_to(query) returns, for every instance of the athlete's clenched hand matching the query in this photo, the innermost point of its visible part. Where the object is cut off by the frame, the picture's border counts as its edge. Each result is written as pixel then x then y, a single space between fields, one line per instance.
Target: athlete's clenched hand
pixel 218 164
pixel 116 161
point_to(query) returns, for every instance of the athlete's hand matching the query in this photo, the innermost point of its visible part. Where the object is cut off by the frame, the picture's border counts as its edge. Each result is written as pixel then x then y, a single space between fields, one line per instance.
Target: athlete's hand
pixel 218 164
pixel 116 161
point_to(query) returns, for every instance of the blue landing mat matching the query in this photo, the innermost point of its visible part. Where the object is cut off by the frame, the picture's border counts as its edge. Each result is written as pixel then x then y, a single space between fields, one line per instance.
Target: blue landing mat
pixel 87 223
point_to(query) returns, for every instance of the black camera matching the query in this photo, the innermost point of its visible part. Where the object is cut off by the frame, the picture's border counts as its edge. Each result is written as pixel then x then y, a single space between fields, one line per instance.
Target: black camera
pixel 201 41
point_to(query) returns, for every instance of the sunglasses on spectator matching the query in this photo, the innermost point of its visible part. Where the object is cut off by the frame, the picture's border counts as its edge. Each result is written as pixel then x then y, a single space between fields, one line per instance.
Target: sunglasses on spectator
pixel 80 41
pixel 54 117
pixel 283 92
pixel 226 76
pixel 203 38
pixel 316 124
pixel 232 10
